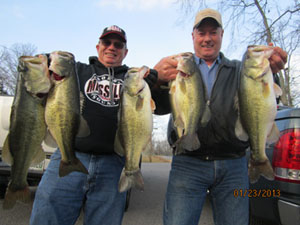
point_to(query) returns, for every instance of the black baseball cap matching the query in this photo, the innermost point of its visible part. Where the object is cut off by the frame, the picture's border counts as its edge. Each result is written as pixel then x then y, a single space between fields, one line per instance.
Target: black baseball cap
pixel 114 29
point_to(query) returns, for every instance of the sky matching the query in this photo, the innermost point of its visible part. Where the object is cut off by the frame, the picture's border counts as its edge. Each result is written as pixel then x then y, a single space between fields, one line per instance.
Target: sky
pixel 75 26
pixel 153 27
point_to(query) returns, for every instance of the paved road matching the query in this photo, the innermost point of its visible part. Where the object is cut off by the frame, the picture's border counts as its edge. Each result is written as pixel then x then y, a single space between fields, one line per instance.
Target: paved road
pixel 144 208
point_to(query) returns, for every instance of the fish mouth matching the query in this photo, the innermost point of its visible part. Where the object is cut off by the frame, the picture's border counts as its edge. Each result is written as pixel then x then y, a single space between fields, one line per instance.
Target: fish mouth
pixel 186 54
pixel 65 54
pixel 41 95
pixel 56 76
pixel 139 91
pixel 183 74
pixel 133 92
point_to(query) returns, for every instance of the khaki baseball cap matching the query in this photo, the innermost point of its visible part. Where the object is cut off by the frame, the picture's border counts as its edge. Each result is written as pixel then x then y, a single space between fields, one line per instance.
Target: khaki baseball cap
pixel 208 13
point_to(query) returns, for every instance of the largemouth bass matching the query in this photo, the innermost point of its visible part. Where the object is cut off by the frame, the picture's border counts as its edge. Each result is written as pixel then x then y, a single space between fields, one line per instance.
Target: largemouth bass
pixel 134 127
pixel 22 147
pixel 188 103
pixel 257 107
pixel 63 112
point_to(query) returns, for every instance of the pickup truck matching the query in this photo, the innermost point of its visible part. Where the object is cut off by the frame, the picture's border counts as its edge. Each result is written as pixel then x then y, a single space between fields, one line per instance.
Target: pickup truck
pixel 35 173
pixel 278 202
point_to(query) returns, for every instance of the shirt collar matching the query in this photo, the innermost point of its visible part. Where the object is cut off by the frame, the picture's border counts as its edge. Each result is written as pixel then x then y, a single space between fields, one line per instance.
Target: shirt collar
pixel 200 61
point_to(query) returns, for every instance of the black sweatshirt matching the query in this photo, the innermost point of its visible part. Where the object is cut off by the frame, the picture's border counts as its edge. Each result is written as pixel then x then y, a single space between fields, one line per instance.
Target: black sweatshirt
pixel 101 87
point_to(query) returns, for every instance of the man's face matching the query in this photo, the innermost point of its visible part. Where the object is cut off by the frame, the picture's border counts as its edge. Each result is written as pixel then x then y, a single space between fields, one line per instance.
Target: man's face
pixel 111 51
pixel 207 40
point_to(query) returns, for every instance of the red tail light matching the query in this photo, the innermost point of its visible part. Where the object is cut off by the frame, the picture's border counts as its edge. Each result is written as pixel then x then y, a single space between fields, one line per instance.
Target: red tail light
pixel 286 156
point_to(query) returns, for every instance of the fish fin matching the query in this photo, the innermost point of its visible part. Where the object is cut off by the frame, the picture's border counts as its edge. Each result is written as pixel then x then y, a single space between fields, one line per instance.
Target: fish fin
pixel 274 134
pixel 6 155
pixel 148 148
pixel 189 142
pixel 119 114
pixel 153 106
pixel 118 147
pixel 38 157
pixel 178 148
pixel 277 90
pixel 172 87
pixel 179 132
pixel 255 170
pixel 178 122
pixel 82 102
pixel 205 116
pixel 139 103
pixel 84 129
pixel 144 71
pixel 49 140
pixel 236 105
pixel 240 132
pixel 12 196
pixel 67 167
pixel 131 179
pixel 182 86
pixel 266 89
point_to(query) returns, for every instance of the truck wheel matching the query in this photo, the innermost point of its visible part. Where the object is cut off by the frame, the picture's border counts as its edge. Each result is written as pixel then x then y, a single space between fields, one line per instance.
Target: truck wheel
pixel 257 221
pixel 34 182
pixel 2 190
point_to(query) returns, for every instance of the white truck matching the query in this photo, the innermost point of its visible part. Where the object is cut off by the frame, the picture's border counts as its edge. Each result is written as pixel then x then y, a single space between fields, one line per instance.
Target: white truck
pixel 35 173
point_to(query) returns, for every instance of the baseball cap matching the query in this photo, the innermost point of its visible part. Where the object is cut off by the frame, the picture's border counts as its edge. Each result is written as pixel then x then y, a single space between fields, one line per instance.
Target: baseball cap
pixel 208 13
pixel 114 29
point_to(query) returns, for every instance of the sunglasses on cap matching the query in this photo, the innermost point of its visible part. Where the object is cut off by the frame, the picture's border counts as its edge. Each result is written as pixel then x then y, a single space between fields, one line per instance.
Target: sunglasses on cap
pixel 117 44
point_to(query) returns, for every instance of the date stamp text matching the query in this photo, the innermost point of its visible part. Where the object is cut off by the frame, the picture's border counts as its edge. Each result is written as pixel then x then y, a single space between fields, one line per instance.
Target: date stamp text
pixel 256 193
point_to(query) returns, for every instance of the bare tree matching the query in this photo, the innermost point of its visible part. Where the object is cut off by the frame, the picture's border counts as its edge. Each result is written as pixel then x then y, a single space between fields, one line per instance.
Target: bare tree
pixel 8 65
pixel 260 22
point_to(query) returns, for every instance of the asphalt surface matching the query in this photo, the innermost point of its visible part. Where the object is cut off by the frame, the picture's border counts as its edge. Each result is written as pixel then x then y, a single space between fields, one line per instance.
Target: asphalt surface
pixel 144 207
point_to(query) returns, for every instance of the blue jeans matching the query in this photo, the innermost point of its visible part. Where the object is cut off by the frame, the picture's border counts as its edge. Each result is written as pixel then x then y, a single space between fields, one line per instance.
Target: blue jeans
pixel 189 180
pixel 59 200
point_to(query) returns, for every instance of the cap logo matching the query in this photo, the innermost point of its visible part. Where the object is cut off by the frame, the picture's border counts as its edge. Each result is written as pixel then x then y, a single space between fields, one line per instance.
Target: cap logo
pixel 114 28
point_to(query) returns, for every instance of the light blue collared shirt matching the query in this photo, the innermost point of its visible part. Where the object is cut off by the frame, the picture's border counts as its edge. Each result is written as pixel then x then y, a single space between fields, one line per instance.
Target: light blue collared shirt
pixel 209 74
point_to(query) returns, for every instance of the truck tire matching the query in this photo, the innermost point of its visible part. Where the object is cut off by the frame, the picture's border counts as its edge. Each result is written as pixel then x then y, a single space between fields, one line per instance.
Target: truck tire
pixel 2 190
pixel 257 221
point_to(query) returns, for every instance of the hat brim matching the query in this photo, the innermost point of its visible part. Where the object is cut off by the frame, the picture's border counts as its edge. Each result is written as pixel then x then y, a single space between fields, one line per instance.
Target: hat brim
pixel 208 17
pixel 114 32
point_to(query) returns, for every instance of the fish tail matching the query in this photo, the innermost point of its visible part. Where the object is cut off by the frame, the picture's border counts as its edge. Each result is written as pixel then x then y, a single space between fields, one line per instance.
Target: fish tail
pixel 131 179
pixel 189 142
pixel 12 196
pixel 67 167
pixel 257 169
